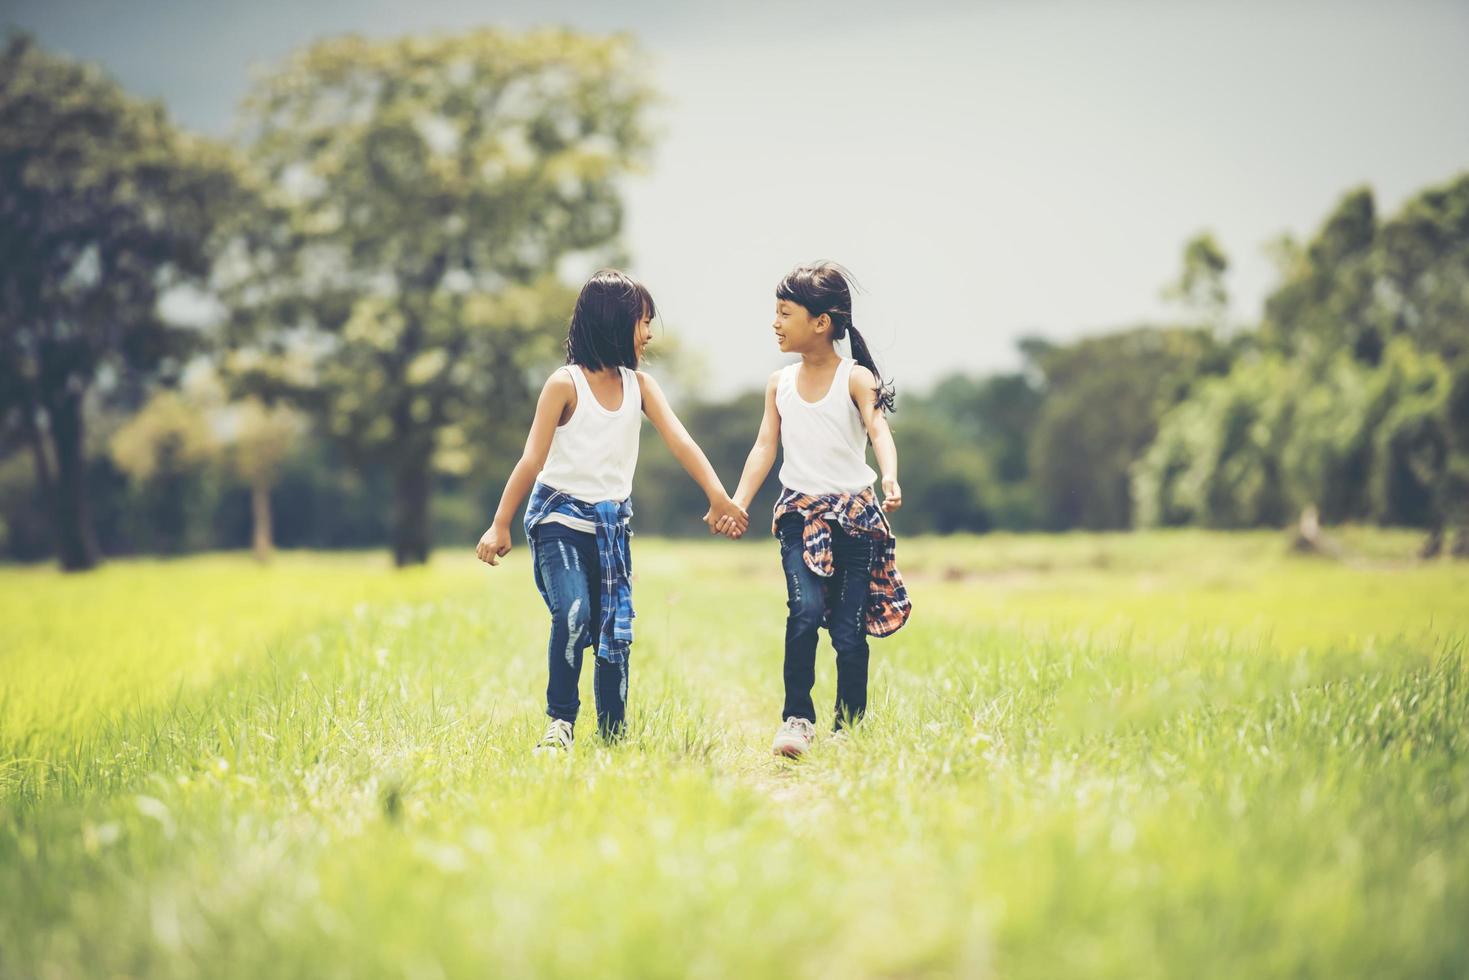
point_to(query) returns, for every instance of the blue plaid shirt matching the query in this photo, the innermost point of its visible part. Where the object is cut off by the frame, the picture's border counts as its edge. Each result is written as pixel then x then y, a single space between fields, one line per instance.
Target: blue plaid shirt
pixel 614 632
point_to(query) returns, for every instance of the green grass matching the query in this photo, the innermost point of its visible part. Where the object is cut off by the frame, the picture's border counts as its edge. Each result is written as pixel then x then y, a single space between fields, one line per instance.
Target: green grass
pixel 1161 755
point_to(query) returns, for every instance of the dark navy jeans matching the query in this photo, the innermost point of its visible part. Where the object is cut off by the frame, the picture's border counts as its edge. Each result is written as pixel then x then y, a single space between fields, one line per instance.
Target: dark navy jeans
pixel 809 599
pixel 566 560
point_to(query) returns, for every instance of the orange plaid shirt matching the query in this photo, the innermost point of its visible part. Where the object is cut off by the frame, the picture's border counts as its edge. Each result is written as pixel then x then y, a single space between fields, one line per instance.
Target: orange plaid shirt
pixel 888 606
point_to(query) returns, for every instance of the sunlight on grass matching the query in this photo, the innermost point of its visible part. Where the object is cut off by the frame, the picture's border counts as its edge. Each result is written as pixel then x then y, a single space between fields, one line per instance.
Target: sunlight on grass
pixel 1104 756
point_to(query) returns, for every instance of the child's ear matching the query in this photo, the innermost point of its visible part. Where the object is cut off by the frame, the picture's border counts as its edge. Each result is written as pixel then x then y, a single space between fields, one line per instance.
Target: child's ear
pixel 823 323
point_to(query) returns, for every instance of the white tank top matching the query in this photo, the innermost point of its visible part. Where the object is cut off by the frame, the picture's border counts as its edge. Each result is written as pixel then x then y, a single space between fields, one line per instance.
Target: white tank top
pixel 824 442
pixel 594 454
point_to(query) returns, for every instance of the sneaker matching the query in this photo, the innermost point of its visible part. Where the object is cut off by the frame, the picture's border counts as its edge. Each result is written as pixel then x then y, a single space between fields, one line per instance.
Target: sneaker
pixel 558 737
pixel 794 738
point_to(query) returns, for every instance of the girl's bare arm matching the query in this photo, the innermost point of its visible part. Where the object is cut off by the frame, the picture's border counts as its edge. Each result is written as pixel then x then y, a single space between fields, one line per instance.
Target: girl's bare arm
pixel 558 392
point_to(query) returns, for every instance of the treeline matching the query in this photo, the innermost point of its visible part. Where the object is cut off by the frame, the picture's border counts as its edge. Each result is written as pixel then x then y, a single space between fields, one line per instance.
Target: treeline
pixel 1346 400
pixel 330 335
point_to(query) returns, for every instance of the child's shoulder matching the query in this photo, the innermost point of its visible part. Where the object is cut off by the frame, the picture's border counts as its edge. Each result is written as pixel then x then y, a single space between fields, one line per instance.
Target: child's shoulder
pixel 647 384
pixel 560 388
pixel 861 377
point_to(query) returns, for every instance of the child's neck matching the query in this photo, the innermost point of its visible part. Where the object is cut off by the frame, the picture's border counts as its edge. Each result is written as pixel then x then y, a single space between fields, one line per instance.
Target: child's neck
pixel 823 357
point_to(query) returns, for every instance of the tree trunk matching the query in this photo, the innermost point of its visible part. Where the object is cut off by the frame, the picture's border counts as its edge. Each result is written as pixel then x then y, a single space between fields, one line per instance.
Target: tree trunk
pixel 1308 538
pixel 261 537
pixel 76 541
pixel 412 483
pixel 1461 542
pixel 37 443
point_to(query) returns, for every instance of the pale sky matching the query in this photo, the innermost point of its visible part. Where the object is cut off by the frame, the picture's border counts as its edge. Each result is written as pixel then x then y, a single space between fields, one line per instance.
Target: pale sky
pixel 987 170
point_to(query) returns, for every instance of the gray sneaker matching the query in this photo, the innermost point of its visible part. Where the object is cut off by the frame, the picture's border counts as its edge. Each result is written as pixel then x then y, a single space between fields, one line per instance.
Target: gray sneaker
pixel 558 738
pixel 794 738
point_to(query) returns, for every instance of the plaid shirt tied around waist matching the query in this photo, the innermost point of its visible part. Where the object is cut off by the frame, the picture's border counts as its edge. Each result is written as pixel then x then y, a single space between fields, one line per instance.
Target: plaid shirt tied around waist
pixel 614 556
pixel 888 606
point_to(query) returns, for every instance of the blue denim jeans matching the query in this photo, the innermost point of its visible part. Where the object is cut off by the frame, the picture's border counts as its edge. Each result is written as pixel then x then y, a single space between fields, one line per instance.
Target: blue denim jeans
pixel 809 598
pixel 566 561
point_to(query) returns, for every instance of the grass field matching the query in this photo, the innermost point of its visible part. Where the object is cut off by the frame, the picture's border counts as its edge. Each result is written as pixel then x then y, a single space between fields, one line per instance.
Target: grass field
pixel 1158 755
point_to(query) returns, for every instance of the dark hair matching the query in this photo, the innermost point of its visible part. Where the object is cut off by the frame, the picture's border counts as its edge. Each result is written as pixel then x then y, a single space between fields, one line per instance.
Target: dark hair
pixel 602 330
pixel 824 288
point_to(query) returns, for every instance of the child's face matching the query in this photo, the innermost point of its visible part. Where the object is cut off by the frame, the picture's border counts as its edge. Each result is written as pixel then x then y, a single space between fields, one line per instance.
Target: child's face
pixel 795 328
pixel 643 334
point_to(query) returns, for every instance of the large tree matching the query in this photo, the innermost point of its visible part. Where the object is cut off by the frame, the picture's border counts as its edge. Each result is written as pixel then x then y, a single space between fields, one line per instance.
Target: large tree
pixel 433 189
pixel 104 207
pixel 1361 281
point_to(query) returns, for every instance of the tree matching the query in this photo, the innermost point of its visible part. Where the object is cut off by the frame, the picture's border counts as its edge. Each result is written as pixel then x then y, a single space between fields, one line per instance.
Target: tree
pixel 1323 303
pixel 253 439
pixel 434 187
pixel 996 413
pixel 1329 454
pixel 164 449
pixel 1103 399
pixel 1411 440
pixel 1422 260
pixel 976 474
pixel 1351 413
pixel 1276 437
pixel 104 207
pixel 1217 459
pixel 263 437
pixel 947 485
pixel 1362 282
pixel 1454 487
pixel 1200 287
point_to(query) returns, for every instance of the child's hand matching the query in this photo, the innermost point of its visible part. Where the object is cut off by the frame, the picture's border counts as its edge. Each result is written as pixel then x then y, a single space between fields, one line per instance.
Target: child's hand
pixel 730 525
pixel 728 518
pixel 494 544
pixel 892 494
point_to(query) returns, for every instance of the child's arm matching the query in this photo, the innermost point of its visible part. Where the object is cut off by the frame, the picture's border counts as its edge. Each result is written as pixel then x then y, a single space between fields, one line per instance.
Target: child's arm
pixel 863 388
pixel 762 454
pixel 559 392
pixel 689 455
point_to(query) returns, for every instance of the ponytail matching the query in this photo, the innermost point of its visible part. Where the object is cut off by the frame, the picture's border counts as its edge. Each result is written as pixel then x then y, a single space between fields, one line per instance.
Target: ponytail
pixel 886 391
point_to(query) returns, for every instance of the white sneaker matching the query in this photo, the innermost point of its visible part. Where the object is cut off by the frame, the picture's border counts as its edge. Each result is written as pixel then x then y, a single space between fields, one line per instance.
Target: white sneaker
pixel 558 737
pixel 794 738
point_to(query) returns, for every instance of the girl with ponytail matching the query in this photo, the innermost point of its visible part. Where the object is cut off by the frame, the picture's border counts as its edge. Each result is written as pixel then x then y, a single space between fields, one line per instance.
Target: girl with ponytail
pixel 836 546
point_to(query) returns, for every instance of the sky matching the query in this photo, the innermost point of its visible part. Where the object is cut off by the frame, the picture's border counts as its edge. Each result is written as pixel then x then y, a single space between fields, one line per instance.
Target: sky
pixel 987 170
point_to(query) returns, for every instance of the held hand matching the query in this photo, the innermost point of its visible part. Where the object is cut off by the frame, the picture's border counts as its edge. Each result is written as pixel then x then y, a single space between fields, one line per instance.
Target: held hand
pixel 494 544
pixel 892 494
pixel 727 518
pixel 730 527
